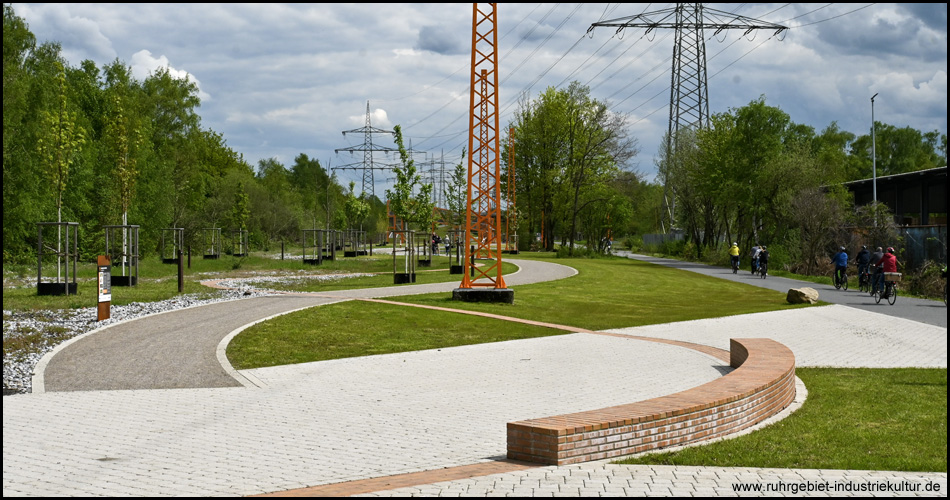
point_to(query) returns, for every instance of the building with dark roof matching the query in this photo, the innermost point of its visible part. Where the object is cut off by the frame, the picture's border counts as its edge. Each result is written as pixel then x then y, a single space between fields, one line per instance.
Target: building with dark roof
pixel 916 198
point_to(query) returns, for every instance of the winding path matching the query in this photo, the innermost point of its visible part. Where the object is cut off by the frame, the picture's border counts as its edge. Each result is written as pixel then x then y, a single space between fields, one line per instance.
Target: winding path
pixel 177 349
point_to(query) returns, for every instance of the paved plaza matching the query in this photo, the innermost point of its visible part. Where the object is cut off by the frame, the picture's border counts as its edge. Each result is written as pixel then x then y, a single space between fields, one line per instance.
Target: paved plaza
pixel 291 429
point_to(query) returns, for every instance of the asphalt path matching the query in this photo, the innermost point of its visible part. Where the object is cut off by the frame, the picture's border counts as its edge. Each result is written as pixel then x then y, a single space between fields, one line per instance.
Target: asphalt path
pixel 178 349
pixel 931 312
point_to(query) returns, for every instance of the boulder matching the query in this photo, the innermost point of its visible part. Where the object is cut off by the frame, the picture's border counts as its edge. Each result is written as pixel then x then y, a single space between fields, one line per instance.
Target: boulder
pixel 802 295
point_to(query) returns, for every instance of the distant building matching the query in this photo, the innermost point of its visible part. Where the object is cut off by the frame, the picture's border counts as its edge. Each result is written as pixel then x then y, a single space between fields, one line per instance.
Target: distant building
pixel 916 198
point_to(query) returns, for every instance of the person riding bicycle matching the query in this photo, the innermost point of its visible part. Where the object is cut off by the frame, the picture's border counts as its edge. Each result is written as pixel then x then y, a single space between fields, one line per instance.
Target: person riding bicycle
pixel 734 255
pixel 755 257
pixel 862 259
pixel 764 259
pixel 888 264
pixel 877 276
pixel 840 261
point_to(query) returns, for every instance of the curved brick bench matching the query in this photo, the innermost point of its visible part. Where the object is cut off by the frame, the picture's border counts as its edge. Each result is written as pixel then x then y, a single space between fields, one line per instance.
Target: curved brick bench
pixel 762 384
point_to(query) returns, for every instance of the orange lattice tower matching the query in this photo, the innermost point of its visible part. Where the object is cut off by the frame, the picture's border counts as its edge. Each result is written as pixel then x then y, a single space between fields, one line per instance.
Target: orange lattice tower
pixel 483 213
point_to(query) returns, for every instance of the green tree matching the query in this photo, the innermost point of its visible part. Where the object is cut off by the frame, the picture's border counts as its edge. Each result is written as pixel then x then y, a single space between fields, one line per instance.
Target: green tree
pixel 276 206
pixel 569 147
pixel 24 97
pixel 313 186
pixel 60 144
pixel 355 208
pixel 456 195
pixel 241 211
pixel 124 140
pixel 414 208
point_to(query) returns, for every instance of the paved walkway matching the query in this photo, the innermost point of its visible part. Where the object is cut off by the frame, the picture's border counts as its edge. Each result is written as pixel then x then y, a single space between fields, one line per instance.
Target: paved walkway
pixel 387 418
pixel 932 312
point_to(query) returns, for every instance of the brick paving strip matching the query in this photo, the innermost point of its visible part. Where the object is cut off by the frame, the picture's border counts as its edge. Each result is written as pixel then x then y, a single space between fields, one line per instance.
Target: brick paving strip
pixel 350 488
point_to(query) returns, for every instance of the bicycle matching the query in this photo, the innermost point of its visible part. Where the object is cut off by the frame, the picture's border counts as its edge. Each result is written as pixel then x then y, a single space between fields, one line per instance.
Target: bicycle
pixel 840 282
pixel 764 269
pixel 890 289
pixel 864 281
pixel 735 265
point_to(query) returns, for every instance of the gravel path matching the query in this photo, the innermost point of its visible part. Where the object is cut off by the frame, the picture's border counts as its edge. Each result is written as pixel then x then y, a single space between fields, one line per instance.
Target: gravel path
pixel 175 351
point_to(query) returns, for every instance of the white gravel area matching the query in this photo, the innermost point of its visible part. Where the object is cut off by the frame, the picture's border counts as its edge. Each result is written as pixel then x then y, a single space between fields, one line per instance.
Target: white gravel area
pixel 57 326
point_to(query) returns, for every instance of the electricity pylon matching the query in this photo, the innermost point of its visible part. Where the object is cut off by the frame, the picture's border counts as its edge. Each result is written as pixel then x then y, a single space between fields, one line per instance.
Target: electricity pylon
pixel 483 212
pixel 367 148
pixel 689 95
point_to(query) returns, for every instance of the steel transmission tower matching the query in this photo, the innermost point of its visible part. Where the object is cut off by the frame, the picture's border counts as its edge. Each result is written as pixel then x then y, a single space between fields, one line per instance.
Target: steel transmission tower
pixel 689 94
pixel 483 213
pixel 367 148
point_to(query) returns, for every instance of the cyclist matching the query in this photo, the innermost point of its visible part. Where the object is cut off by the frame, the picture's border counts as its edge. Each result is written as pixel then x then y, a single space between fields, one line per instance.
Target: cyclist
pixel 888 264
pixel 764 261
pixel 840 261
pixel 862 259
pixel 877 278
pixel 755 257
pixel 734 256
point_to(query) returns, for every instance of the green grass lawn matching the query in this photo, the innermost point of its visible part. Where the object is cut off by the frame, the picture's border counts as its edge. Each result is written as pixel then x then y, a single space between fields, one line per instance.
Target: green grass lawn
pixel 607 293
pixel 856 419
pixel 351 329
pixel 616 292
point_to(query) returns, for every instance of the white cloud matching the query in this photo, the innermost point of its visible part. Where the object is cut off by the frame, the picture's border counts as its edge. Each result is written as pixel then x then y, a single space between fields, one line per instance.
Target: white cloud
pixel 144 64
pixel 81 37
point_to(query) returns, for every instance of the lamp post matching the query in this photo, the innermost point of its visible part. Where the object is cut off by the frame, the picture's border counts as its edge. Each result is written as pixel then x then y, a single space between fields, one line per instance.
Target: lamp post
pixel 873 160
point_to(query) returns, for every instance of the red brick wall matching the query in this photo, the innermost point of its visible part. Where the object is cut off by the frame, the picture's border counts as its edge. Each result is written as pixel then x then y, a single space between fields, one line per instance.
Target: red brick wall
pixel 762 384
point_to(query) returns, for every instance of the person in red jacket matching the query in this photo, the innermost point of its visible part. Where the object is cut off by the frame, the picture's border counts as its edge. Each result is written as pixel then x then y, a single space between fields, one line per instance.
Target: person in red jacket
pixel 889 261
pixel 887 264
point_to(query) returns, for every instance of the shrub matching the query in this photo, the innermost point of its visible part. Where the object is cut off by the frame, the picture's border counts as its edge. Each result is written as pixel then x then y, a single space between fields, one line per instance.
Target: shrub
pixel 925 281
pixel 633 243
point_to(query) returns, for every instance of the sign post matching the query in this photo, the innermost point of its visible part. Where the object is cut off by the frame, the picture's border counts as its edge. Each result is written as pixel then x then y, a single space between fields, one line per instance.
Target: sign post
pixel 104 306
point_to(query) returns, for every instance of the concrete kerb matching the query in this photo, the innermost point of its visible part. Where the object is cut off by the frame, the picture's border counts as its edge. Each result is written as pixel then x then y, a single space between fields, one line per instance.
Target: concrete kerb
pixel 246 379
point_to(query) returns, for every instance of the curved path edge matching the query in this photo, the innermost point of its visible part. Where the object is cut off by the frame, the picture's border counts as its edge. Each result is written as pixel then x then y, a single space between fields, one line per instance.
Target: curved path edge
pixel 182 348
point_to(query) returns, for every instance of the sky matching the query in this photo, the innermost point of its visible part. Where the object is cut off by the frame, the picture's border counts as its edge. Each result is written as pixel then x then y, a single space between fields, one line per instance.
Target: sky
pixel 278 80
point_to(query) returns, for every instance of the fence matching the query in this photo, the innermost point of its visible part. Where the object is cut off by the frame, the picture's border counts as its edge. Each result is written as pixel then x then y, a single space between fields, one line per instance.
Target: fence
pixel 923 243
pixel 658 239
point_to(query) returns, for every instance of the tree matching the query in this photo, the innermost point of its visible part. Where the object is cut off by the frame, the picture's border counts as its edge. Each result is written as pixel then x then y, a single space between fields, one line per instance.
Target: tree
pixel 413 208
pixel 241 211
pixel 899 150
pixel 60 143
pixel 817 216
pixel 738 177
pixel 456 196
pixel 124 140
pixel 313 185
pixel 355 208
pixel 277 210
pixel 569 147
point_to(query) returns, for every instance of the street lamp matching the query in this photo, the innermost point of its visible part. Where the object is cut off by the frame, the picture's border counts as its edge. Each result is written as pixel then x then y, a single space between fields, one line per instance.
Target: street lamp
pixel 873 160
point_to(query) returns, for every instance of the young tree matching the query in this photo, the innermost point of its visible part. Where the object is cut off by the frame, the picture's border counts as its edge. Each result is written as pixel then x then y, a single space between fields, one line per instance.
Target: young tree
pixel 456 196
pixel 60 143
pixel 123 140
pixel 241 211
pixel 413 208
pixel 355 208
